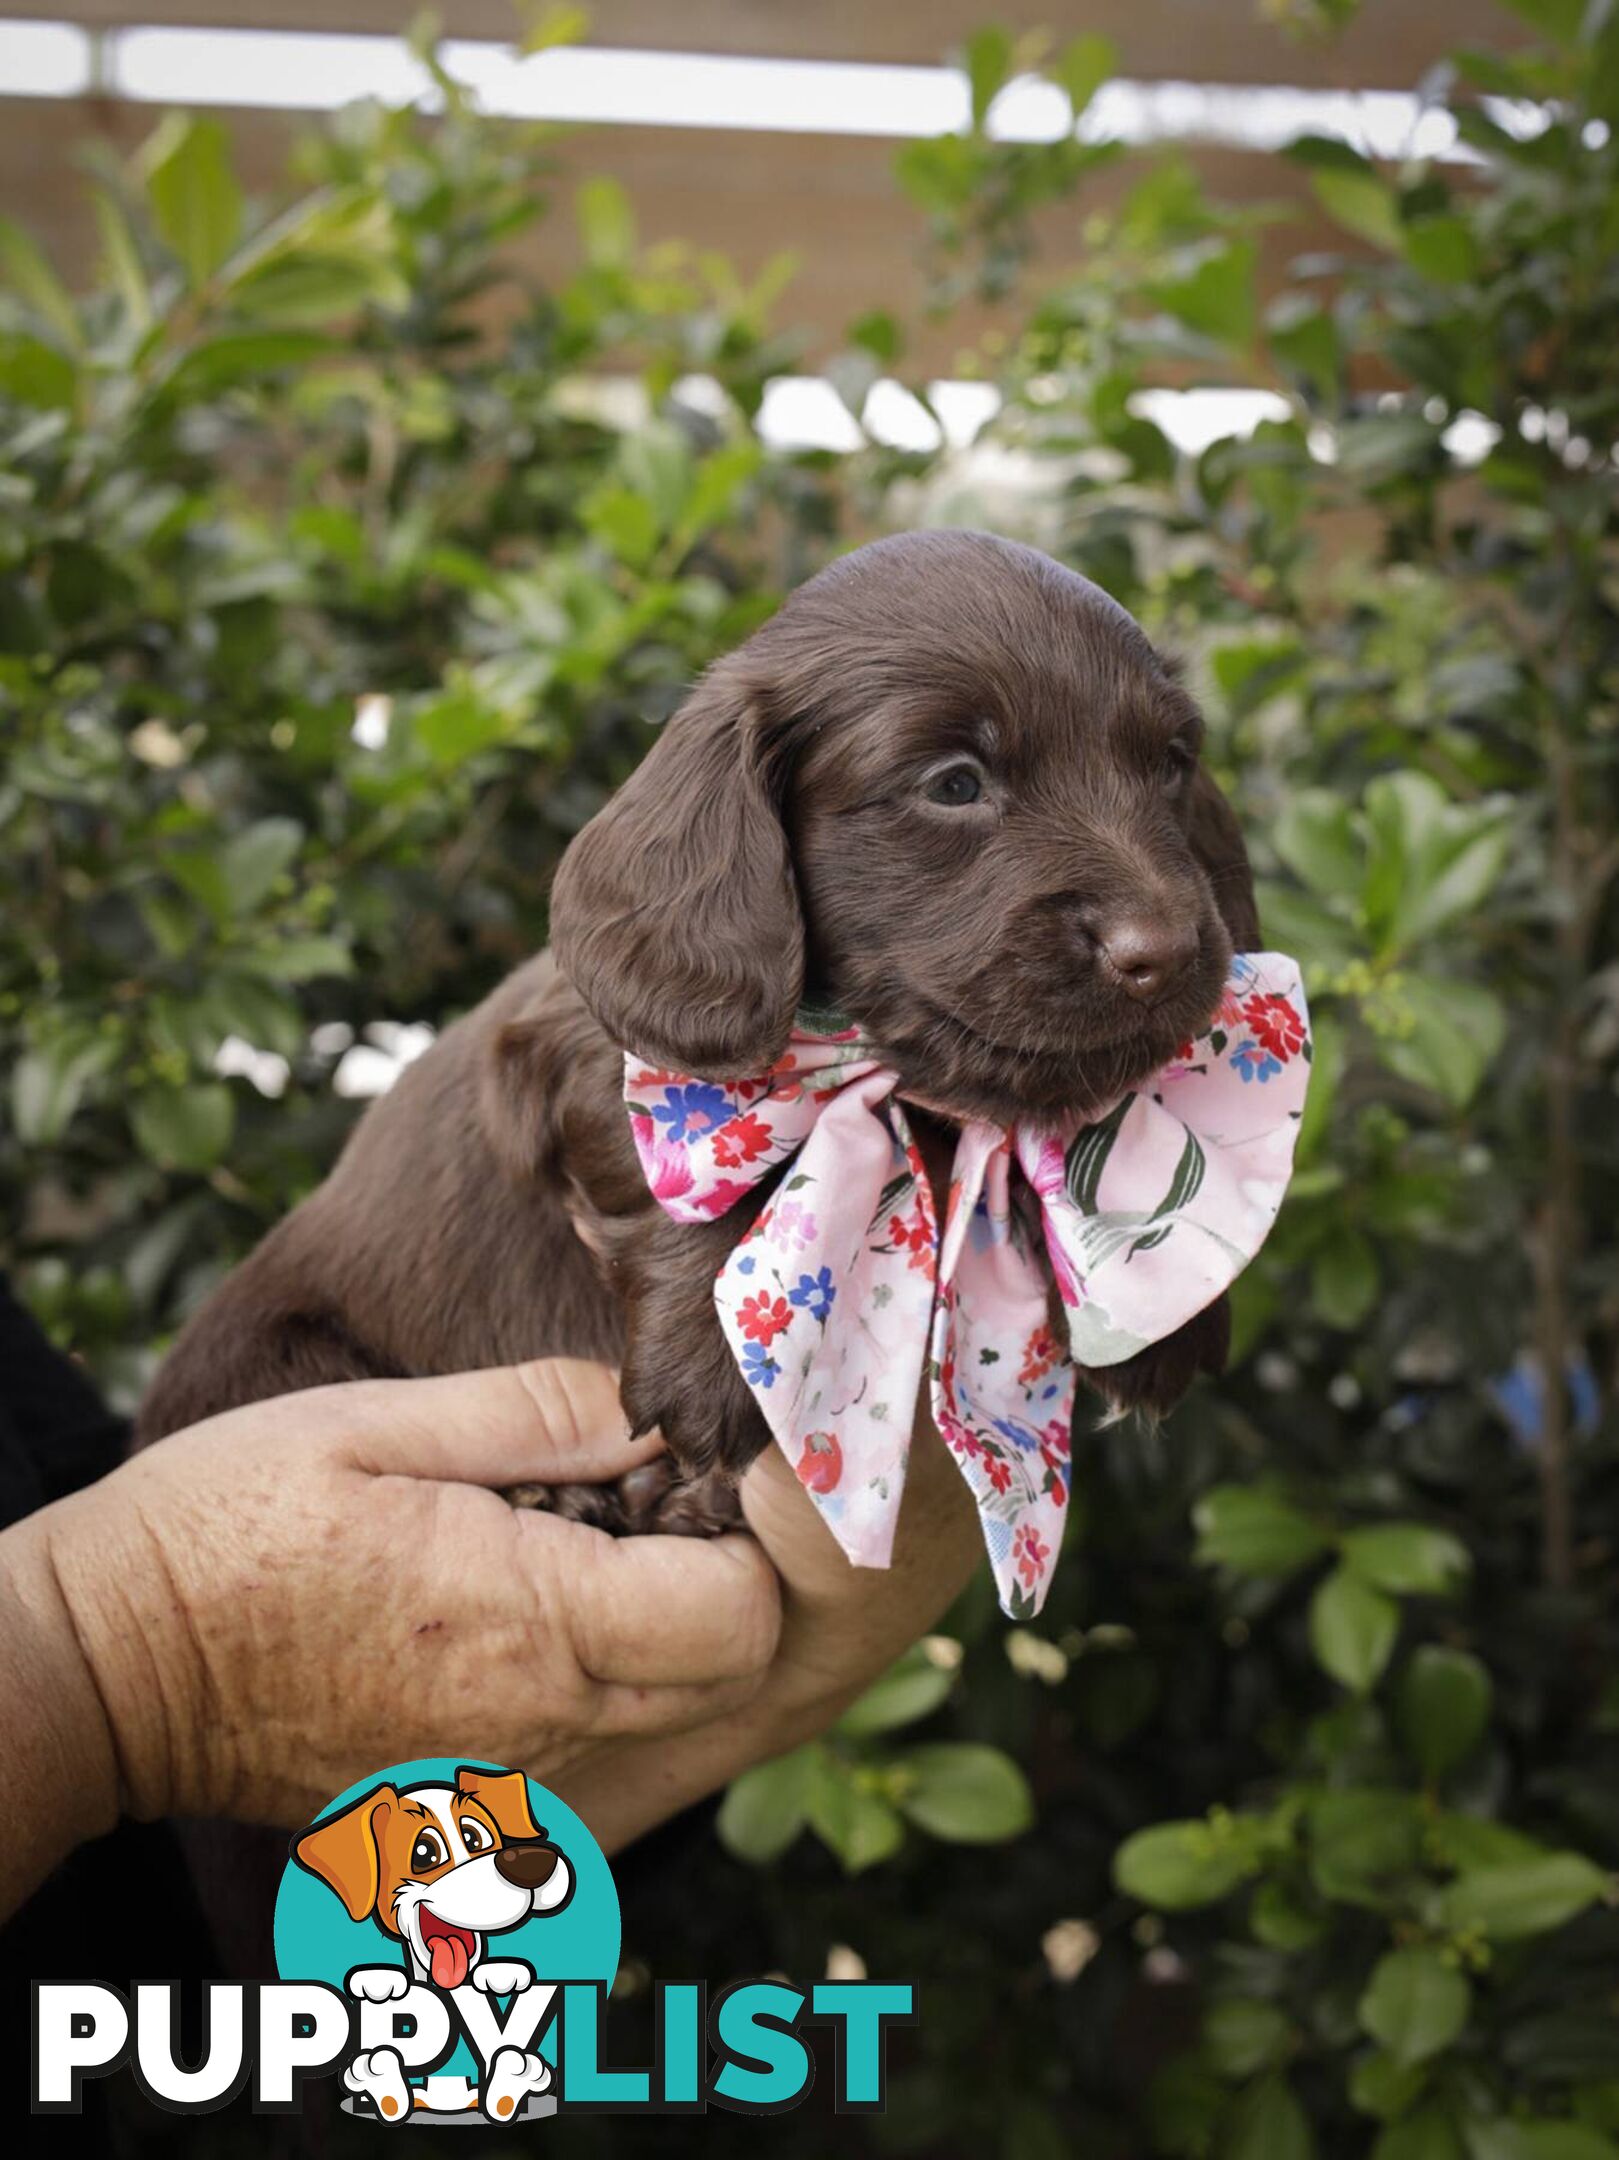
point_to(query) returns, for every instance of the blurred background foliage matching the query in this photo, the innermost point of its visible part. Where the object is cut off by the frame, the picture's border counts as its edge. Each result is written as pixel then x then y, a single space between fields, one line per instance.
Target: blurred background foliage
pixel 340 578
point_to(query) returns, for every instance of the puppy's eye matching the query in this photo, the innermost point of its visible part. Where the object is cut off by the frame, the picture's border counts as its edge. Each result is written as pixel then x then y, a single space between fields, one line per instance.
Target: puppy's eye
pixel 427 1852
pixel 474 1836
pixel 1176 767
pixel 960 785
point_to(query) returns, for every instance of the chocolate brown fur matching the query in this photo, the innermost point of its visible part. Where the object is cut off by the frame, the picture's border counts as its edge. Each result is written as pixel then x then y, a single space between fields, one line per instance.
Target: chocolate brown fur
pixel 779 842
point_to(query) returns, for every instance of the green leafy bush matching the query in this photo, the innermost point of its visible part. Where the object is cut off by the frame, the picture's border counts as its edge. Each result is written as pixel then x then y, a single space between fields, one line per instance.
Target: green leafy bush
pixel 334 591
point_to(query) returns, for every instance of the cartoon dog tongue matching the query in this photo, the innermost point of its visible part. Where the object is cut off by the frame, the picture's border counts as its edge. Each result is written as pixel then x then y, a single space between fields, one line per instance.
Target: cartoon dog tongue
pixel 448 1956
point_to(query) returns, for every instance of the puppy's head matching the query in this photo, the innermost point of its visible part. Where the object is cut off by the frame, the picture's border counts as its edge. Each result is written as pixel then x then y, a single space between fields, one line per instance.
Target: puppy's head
pixel 950 790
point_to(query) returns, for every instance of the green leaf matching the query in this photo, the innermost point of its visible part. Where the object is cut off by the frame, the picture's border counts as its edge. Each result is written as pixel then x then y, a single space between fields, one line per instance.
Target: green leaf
pixel 48 1084
pixel 196 202
pixel 1527 1897
pixel 1430 860
pixel 1428 2135
pixel 1456 1030
pixel 1559 19
pixel 1380 2086
pixel 1177 1866
pixel 250 863
pixel 1251 671
pixel 1507 2138
pixel 121 257
pixel 35 283
pixel 1344 1279
pixel 1407 1558
pixel 1216 299
pixel 908 1691
pixel 1362 204
pixel 1267 2123
pixel 767 1807
pixel 185 1128
pixel 1315 836
pixel 1082 66
pixel 857 1823
pixel 1364 1843
pixel 458 725
pixel 1281 1921
pixel 1242 2035
pixel 1470 1842
pixel 1442 1707
pixel 301 959
pixel 241 357
pixel 606 224
pixel 1352 1629
pixel 1252 1530
pixel 34 373
pixel 549 25
pixel 1415 2004
pixel 963 1792
pixel 987 59
pixel 1442 248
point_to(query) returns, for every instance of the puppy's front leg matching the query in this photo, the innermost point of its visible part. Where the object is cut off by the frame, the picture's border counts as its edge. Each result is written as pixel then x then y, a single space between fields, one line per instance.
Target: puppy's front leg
pixel 678 1375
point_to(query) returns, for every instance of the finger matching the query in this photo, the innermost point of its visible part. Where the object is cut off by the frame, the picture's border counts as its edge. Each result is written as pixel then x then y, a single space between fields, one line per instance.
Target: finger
pixel 625 1712
pixel 661 1611
pixel 546 1422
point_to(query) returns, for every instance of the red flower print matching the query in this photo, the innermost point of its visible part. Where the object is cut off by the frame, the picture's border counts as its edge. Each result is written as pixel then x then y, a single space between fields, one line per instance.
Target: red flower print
pixel 1277 1025
pixel 763 1317
pixel 1030 1554
pixel 1228 1014
pixel 999 1474
pixel 1055 1440
pixel 1039 1355
pixel 744 1140
pixel 821 1464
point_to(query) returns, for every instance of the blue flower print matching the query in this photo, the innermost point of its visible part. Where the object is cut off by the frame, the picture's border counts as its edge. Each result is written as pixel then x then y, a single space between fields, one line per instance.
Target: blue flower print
pixel 815 1291
pixel 693 1111
pixel 746 1265
pixel 1253 1062
pixel 759 1368
pixel 1020 1435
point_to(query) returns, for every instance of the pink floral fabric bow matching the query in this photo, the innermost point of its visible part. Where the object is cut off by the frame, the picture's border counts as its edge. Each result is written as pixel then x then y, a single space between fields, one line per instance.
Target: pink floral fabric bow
pixel 844 1285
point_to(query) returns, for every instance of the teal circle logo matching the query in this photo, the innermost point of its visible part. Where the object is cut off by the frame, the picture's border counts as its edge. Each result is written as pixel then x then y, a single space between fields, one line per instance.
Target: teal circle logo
pixel 464 1879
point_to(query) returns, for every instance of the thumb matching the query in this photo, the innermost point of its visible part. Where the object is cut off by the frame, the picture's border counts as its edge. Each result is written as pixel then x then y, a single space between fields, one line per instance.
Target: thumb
pixel 547 1422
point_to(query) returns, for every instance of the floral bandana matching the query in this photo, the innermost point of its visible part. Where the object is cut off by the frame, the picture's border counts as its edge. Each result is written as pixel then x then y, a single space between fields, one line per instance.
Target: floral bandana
pixel 844 1282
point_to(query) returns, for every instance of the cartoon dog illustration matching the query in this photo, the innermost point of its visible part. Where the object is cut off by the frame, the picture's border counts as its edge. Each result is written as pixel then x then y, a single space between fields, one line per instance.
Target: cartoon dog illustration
pixel 441 1868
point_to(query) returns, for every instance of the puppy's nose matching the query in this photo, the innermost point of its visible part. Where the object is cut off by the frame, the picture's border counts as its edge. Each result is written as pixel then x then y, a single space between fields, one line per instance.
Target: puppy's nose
pixel 1147 954
pixel 527 1865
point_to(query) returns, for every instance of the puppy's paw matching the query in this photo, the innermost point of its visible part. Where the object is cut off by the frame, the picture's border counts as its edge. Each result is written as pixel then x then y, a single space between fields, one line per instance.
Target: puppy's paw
pixel 380 2076
pixel 1155 1379
pixel 654 1499
pixel 502 1976
pixel 512 2077
pixel 379 1983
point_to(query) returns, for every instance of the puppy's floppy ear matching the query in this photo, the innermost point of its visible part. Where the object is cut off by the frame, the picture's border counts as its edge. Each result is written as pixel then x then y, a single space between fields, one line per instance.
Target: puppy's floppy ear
pixel 343 1850
pixel 675 913
pixel 505 1795
pixel 1218 844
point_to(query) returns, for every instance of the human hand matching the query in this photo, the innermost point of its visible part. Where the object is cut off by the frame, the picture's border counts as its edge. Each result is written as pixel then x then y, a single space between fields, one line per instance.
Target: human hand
pixel 282 1599
pixel 842 1627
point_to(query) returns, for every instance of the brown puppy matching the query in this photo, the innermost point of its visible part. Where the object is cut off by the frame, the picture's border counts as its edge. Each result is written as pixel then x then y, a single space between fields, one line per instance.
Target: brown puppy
pixel 950 790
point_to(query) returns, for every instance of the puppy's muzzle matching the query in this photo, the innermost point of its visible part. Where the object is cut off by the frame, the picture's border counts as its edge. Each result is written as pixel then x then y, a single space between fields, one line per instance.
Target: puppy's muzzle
pixel 527 1865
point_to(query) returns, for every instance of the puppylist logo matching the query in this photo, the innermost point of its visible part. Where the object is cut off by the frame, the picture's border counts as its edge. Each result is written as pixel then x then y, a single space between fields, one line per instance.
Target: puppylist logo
pixel 446 1935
